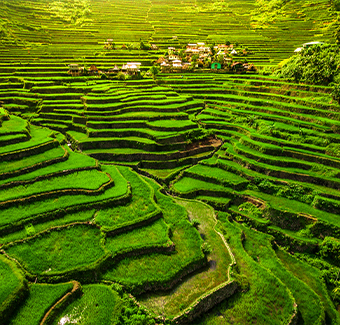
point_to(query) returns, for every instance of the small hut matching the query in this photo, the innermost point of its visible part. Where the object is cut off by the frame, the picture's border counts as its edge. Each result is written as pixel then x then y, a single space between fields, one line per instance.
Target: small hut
pixel 115 69
pixel 75 69
pixel 93 70
pixel 165 67
pixel 251 68
pixel 177 64
pixel 237 66
pixel 133 67
pixel 124 68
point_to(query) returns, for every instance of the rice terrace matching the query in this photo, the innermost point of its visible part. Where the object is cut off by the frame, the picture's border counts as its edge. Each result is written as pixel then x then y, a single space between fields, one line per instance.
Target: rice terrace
pixel 169 162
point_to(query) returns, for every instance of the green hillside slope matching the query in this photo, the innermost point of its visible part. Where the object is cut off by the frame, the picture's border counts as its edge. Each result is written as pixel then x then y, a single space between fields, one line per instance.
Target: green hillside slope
pixel 203 196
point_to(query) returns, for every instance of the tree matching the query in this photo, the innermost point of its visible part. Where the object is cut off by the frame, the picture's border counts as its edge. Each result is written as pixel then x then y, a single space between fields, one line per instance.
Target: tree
pixel 213 51
pixel 220 58
pixel 143 46
pixel 317 64
pixel 194 59
pixel 154 71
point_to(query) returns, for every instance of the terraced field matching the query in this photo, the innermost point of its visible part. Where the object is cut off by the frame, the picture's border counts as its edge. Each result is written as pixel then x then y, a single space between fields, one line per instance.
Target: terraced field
pixel 186 198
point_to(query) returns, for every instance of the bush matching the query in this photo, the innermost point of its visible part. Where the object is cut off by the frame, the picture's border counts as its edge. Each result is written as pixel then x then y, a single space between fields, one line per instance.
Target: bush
pixel 330 249
pixel 121 76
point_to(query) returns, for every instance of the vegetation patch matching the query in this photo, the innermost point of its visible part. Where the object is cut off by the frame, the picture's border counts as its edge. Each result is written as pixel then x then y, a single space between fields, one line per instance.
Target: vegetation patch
pixel 59 250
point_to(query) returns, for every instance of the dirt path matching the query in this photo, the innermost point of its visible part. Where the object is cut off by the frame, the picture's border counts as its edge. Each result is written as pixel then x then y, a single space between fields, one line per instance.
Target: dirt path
pixel 219 260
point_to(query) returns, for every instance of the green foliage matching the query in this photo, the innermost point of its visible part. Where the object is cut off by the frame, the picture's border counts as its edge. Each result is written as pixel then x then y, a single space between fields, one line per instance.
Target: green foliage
pixel 317 64
pixel 9 279
pixel 59 250
pixel 144 46
pixel 13 288
pixel 330 249
pixel 132 314
pixel 153 235
pixel 141 204
pixel 333 149
pixel 72 11
pixel 206 248
pixel 251 210
pixel 267 11
pixel 121 76
pixel 40 300
pixel 154 71
pixel 97 306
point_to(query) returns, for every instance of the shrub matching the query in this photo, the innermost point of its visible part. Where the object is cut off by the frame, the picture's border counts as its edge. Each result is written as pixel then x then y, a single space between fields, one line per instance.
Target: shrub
pixel 121 76
pixel 330 249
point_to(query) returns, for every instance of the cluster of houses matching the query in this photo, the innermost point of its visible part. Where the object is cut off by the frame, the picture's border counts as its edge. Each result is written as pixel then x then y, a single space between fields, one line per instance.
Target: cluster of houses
pixel 130 68
pixel 195 55
pixel 198 55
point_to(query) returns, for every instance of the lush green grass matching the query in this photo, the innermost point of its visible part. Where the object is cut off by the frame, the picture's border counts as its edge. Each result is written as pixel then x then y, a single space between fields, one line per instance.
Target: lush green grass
pixel 59 250
pixel 159 268
pixel 223 176
pixel 270 127
pixel 155 234
pixel 40 300
pixel 30 229
pixel 13 288
pixel 31 160
pixel 313 278
pixel 10 281
pixel 141 204
pixel 264 299
pixel 30 210
pixel 258 246
pixel 39 136
pixel 74 161
pixel 187 184
pixel 95 307
pixel 14 124
pixel 89 180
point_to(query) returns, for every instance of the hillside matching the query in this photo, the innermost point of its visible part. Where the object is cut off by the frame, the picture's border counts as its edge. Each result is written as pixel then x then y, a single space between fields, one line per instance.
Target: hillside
pixel 150 196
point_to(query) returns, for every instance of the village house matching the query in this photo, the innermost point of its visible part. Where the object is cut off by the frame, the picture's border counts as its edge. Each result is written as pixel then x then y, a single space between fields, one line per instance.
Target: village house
pixel 192 49
pixel 237 66
pixel 93 70
pixel 114 70
pixel 171 49
pixel 165 67
pixel 132 67
pixel 177 64
pixel 173 57
pixel 109 44
pixel 75 69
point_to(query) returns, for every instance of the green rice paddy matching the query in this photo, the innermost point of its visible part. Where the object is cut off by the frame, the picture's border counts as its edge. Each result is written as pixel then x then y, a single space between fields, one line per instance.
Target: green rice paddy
pixel 199 197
